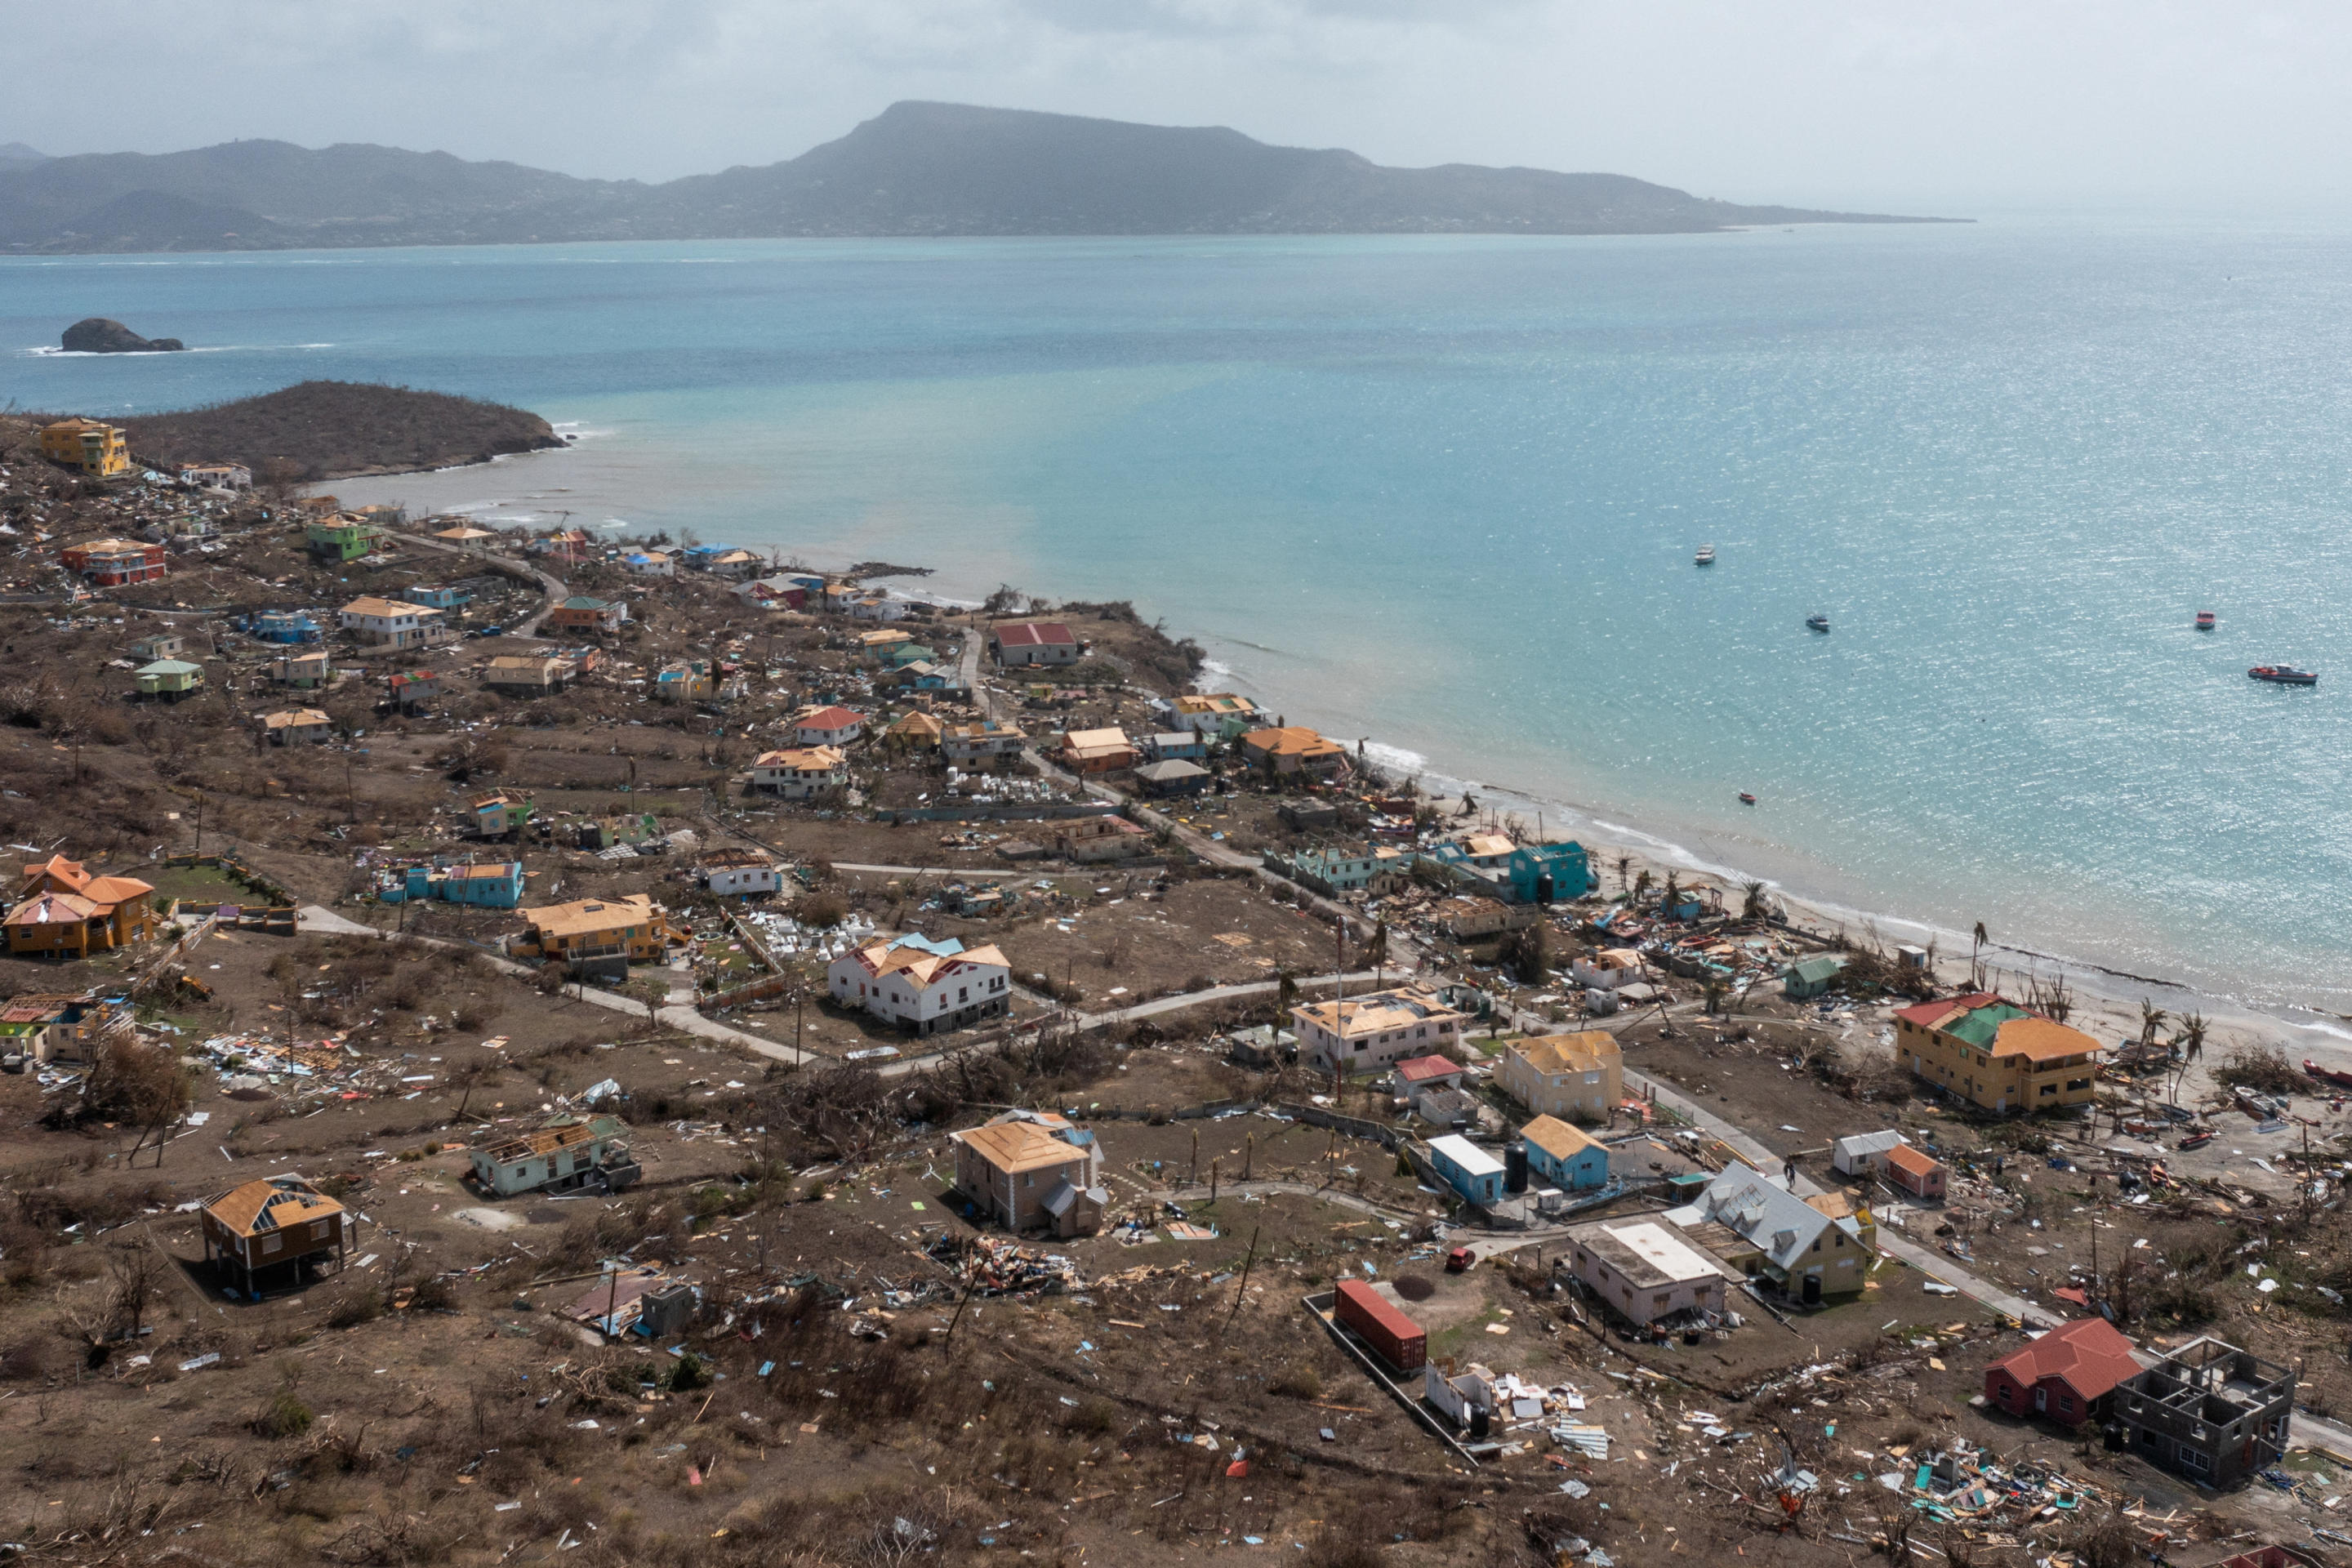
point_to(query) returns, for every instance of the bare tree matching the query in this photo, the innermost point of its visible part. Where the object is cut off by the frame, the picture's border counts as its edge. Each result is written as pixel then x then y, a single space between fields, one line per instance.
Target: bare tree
pixel 138 1275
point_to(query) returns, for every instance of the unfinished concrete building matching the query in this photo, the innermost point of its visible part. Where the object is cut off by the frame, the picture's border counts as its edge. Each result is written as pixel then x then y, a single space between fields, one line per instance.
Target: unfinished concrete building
pixel 2209 1411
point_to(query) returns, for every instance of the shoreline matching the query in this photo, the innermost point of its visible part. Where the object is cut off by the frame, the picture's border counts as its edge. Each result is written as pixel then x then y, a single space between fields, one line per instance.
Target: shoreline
pixel 2106 989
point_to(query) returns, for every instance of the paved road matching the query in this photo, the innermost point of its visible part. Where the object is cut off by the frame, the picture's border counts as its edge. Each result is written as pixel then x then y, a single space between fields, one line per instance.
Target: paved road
pixel 552 589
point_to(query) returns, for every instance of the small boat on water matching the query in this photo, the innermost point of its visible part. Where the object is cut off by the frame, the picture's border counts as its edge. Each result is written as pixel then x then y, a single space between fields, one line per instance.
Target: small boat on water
pixel 2326 1075
pixel 2204 620
pixel 1747 799
pixel 2283 675
pixel 1705 555
pixel 1818 622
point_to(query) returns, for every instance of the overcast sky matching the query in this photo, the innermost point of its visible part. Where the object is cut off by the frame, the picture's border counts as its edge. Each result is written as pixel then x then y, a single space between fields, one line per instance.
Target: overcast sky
pixel 1960 104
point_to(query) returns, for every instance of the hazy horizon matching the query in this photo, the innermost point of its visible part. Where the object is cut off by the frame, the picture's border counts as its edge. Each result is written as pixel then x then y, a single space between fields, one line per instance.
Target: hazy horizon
pixel 2008 106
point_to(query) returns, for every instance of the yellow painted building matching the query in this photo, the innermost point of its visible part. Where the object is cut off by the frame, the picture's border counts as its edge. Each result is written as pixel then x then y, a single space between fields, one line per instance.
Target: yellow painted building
pixel 95 448
pixel 1574 1077
pixel 1996 1054
pixel 632 926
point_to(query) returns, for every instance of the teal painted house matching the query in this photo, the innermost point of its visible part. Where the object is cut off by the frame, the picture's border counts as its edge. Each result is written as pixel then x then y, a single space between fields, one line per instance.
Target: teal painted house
pixel 1811 977
pixel 1563 1156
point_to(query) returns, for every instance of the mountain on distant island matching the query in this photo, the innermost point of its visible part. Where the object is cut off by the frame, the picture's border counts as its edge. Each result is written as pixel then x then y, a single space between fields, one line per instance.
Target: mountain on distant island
pixel 916 169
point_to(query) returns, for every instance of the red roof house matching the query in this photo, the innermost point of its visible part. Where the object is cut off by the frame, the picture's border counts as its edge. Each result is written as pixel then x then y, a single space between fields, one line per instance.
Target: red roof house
pixel 1916 1173
pixel 1415 1074
pixel 2066 1374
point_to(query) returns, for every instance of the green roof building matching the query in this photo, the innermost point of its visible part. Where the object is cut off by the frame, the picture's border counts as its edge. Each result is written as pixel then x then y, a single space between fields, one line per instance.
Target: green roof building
pixel 1811 977
pixel 170 677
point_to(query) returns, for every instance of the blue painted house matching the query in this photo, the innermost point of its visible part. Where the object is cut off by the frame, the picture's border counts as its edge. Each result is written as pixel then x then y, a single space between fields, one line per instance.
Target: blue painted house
pixel 1176 746
pixel 288 627
pixel 435 596
pixel 495 886
pixel 1518 873
pixel 1563 1156
pixel 1467 1169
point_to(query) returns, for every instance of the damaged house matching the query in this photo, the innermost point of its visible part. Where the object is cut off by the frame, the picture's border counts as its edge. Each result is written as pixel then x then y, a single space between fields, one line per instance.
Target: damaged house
pixel 560 1158
pixel 2209 1411
pixel 1031 1170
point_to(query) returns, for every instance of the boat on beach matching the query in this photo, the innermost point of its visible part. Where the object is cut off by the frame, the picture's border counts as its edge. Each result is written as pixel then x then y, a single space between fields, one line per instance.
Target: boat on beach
pixel 1706 556
pixel 2335 1075
pixel 2283 675
pixel 1818 622
pixel 2204 620
pixel 2195 1141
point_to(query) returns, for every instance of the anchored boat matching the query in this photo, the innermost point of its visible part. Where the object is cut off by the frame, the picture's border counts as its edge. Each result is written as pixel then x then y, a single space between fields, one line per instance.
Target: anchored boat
pixel 2204 620
pixel 1818 622
pixel 1705 555
pixel 2283 675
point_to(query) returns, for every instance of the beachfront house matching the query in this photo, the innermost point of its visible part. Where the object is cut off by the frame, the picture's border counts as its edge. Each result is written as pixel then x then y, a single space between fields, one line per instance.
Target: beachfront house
pixel 771 592
pixel 1492 863
pixel 1575 1077
pixel 1811 977
pixel 1373 1032
pixel 1215 715
pixel 924 986
pixel 648 563
pixel 1997 1055
pixel 216 475
pixel 1293 750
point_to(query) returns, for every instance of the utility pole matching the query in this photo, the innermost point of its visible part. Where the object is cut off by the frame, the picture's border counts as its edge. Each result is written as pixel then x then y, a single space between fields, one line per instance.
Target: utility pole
pixel 1241 1291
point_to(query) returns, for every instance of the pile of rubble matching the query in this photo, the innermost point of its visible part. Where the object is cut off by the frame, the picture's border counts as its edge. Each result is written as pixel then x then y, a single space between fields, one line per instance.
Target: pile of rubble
pixel 996 1266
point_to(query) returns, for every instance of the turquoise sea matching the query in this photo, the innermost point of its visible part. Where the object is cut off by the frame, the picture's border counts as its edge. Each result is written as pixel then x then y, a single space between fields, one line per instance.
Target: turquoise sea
pixel 1443 493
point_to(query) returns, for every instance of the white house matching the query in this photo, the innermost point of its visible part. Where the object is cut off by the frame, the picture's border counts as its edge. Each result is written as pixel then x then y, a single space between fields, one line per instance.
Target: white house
pixel 1609 969
pixel 1376 1031
pixel 736 871
pixel 1034 643
pixel 1646 1269
pixel 878 607
pixel 1857 1156
pixel 826 726
pixel 390 623
pixel 986 741
pixel 797 772
pixel 924 986
pixel 648 563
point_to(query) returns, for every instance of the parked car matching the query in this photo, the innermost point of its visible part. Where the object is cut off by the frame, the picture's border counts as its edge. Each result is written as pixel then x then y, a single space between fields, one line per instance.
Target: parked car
pixel 1459 1260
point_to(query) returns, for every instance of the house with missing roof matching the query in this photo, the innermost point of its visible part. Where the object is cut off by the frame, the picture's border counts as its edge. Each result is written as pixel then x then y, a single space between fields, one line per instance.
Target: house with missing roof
pixel 1775 1237
pixel 922 986
pixel 1500 867
pixel 1997 1055
pixel 276 1223
pixel 2209 1411
pixel 564 1156
pixel 1647 1270
pixel 2066 1375
pixel 1373 1032
pixel 1032 1169
pixel 1215 715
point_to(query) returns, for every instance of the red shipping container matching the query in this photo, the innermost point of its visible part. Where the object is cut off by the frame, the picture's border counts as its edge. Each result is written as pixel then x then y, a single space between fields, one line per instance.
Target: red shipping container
pixel 1401 1341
